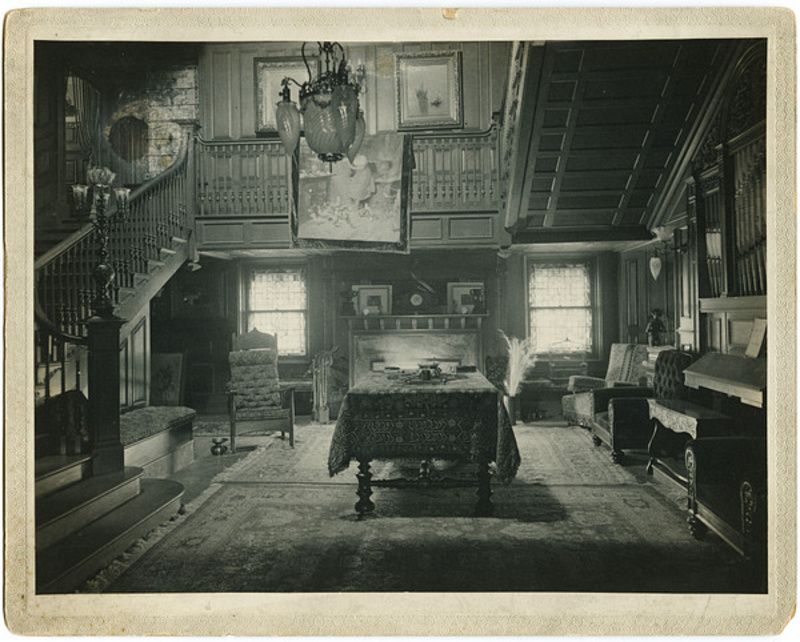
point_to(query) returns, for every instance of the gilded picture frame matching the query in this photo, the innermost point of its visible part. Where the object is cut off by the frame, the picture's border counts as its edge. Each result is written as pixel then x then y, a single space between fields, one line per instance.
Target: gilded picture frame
pixel 268 74
pixel 428 90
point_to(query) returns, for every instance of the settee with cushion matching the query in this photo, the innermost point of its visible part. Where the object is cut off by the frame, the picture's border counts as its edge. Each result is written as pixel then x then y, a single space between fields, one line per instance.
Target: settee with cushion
pixel 625 368
pixel 620 417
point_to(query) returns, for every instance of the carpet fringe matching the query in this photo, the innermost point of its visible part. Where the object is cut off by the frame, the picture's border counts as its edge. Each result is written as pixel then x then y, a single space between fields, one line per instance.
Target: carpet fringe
pixel 104 578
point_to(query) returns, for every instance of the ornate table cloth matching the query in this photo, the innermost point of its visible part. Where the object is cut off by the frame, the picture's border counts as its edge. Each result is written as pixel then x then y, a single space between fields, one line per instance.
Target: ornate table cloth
pixel 388 416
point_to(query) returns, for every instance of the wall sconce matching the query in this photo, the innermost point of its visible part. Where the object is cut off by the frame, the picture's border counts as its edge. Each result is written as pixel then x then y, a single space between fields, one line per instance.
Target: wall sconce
pixel 663 235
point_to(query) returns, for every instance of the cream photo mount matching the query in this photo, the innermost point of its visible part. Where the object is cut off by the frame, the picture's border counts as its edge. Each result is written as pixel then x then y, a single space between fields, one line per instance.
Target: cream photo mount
pixel 372 300
pixel 462 299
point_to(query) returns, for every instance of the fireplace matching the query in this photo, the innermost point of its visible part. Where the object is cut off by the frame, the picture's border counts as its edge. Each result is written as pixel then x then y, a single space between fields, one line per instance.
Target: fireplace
pixel 404 341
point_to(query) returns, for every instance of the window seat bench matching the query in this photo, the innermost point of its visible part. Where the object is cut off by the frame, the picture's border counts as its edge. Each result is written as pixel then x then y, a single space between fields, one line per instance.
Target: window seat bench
pixel 158 439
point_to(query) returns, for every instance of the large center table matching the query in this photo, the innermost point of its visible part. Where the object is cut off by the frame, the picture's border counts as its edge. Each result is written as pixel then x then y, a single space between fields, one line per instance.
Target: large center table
pixel 390 416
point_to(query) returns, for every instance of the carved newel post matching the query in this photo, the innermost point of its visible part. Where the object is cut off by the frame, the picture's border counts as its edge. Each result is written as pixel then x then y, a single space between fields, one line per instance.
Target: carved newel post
pixel 103 327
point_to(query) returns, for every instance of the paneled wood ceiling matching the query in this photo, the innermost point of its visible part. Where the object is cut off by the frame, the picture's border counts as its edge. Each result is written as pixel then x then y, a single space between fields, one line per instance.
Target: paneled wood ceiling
pixel 610 121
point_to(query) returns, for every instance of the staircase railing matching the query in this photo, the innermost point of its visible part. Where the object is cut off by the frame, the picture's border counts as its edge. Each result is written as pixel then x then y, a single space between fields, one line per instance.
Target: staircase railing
pixel 158 211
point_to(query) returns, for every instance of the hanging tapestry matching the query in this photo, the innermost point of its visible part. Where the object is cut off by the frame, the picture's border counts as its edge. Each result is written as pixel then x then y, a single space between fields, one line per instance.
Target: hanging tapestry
pixel 354 205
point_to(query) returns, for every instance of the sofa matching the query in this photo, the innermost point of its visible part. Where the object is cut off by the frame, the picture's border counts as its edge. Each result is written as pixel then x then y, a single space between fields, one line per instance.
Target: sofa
pixel 620 416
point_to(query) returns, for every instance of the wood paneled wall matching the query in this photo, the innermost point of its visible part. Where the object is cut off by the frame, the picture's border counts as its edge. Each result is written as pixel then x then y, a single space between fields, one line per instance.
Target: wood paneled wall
pixel 639 293
pixel 228 91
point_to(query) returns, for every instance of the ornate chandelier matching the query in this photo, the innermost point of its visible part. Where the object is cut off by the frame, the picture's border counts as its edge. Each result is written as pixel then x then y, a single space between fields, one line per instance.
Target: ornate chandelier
pixel 333 123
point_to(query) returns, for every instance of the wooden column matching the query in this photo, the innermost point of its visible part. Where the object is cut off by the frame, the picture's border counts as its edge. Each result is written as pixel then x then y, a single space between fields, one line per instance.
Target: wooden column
pixel 103 341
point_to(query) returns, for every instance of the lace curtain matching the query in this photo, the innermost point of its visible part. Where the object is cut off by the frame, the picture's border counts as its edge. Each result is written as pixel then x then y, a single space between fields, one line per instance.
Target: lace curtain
pixel 85 101
pixel 277 303
pixel 560 307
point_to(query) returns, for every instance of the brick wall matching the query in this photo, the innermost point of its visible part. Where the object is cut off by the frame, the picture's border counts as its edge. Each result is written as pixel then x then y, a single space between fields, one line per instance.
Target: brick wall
pixel 166 100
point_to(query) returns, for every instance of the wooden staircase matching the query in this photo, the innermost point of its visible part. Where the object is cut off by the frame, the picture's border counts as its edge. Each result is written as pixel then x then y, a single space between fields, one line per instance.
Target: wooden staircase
pixel 86 515
pixel 83 522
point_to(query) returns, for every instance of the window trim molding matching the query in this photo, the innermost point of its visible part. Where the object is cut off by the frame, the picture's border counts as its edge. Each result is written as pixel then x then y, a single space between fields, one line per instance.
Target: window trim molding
pixel 593 262
pixel 245 270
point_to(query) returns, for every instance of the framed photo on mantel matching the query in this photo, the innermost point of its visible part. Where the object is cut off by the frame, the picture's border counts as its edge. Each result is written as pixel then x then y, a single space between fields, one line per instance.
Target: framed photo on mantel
pixel 429 90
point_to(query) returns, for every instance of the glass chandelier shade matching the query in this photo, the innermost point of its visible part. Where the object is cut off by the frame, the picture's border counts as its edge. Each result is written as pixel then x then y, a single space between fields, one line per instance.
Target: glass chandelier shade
pixel 332 120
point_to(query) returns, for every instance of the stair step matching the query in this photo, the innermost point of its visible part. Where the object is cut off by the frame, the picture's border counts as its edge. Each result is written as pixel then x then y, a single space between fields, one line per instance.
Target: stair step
pixel 154 264
pixel 165 253
pixel 63 567
pixel 55 472
pixel 124 293
pixel 177 240
pixel 73 507
pixel 140 279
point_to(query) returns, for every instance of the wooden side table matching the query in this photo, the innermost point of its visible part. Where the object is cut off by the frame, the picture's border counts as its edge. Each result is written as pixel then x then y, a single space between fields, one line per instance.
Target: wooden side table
pixel 675 422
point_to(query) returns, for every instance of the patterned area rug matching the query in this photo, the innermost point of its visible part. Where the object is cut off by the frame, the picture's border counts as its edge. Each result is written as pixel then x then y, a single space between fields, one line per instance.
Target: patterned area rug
pixel 265 537
pixel 550 454
pixel 571 521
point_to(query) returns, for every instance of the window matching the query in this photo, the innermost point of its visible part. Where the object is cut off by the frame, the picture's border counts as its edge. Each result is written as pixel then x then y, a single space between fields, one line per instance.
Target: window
pixel 560 307
pixel 277 303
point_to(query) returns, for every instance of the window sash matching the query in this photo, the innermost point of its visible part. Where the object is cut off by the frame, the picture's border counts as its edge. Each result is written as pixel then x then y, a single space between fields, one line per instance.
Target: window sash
pixel 557 309
pixel 284 313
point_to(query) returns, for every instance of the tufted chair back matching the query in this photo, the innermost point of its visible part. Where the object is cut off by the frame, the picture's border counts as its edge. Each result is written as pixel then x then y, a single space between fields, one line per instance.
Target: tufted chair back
pixel 668 377
pixel 625 363
pixel 254 374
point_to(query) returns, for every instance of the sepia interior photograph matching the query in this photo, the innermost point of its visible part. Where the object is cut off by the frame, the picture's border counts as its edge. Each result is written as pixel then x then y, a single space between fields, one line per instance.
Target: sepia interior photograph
pixel 468 316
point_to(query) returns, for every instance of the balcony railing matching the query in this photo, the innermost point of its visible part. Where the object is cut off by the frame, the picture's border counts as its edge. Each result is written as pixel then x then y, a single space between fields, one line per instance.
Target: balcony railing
pixel 250 178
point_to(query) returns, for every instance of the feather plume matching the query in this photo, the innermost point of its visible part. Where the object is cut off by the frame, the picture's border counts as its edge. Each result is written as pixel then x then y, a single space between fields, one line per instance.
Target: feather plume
pixel 520 358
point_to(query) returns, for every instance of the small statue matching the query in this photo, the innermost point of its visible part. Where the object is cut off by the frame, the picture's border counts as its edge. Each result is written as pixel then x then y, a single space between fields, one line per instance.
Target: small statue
pixel 655 328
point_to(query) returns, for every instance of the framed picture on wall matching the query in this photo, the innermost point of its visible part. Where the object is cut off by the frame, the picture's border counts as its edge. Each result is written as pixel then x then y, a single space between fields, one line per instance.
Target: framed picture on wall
pixel 167 379
pixel 465 298
pixel 429 90
pixel 269 74
pixel 372 299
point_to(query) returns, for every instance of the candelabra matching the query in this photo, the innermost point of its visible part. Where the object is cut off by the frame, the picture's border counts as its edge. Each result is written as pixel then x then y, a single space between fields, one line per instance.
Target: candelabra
pixel 92 201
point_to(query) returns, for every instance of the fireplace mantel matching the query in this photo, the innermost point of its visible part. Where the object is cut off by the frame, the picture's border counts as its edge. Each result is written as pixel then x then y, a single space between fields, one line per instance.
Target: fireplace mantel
pixel 405 339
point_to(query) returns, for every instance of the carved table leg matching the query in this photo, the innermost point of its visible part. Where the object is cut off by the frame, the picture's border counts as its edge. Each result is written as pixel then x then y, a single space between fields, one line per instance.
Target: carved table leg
pixel 424 471
pixel 484 506
pixel 364 504
pixel 651 448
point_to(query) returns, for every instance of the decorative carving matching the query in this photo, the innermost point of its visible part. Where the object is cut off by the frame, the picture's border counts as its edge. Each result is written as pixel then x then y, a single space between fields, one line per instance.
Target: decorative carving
pixel 747 104
pixel 749 504
pixel 691 473
pixel 708 153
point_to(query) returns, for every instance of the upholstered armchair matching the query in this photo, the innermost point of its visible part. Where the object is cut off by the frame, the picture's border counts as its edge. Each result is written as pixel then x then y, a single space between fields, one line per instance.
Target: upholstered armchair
pixel 625 368
pixel 621 416
pixel 256 395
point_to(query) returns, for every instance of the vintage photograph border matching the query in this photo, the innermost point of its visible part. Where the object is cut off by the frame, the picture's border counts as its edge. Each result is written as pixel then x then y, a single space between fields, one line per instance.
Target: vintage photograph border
pixel 399 613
